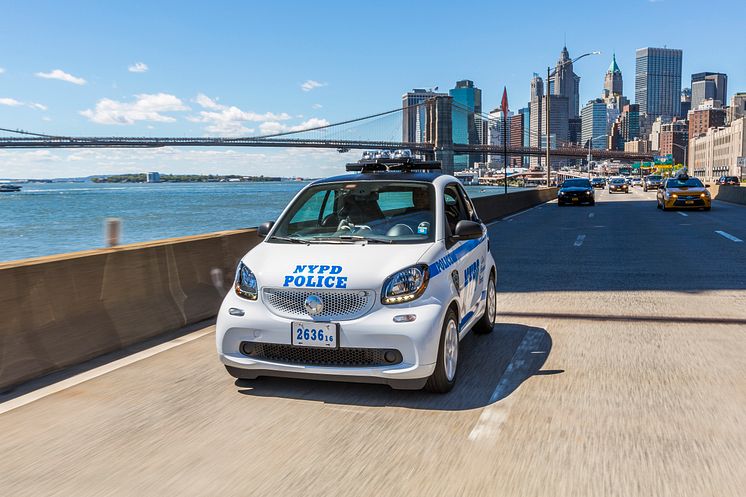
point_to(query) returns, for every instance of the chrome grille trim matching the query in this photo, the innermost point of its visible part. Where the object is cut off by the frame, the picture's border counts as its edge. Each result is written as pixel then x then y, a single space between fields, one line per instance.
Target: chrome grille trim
pixel 338 304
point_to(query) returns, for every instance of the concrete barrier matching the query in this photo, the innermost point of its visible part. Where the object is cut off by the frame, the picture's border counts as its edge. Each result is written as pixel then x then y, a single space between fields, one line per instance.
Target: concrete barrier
pixel 729 193
pixel 497 206
pixel 62 310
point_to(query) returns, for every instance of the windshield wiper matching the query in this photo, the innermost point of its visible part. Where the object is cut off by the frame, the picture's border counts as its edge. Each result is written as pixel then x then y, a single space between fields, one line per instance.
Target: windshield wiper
pixel 290 239
pixel 359 238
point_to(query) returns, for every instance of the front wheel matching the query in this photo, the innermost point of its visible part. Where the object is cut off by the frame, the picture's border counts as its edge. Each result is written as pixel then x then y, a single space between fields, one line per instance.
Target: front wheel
pixel 444 376
pixel 487 322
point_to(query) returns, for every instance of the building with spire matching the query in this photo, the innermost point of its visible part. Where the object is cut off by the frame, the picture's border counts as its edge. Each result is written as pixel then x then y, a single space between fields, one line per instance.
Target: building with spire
pixel 566 83
pixel 613 81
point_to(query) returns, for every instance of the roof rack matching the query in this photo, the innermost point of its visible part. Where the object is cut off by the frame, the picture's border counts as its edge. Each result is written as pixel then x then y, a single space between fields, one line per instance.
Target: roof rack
pixel 404 164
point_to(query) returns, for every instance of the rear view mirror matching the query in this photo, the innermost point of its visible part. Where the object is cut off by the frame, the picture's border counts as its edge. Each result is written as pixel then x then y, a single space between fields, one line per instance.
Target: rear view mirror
pixel 264 228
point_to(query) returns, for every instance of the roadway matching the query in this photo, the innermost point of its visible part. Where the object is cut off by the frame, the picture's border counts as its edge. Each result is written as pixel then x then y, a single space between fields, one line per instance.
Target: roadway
pixel 618 368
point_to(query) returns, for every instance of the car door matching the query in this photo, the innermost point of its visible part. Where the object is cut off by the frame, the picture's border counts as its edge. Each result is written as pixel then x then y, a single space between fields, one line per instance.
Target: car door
pixel 468 273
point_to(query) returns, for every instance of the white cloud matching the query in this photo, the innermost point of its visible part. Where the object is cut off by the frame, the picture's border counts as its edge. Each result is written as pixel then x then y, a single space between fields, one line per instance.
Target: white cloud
pixel 224 120
pixel 46 118
pixel 311 85
pixel 316 106
pixel 270 128
pixel 12 102
pixel 2 70
pixel 138 67
pixel 62 76
pixel 146 107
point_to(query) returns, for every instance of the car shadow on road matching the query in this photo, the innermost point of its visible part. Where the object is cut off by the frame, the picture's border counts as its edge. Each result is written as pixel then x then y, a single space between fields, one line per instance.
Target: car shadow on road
pixel 491 367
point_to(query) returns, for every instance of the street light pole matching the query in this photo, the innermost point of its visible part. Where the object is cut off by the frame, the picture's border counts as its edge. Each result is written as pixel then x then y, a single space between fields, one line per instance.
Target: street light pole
pixel 548 99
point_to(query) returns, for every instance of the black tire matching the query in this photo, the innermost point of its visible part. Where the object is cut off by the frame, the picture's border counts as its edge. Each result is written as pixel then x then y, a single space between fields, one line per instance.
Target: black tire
pixel 438 381
pixel 663 206
pixel 707 208
pixel 486 323
pixel 592 203
pixel 657 204
pixel 644 188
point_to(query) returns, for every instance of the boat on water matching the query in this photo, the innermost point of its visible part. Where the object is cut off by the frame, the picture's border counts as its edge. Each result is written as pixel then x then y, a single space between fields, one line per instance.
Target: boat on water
pixel 7 188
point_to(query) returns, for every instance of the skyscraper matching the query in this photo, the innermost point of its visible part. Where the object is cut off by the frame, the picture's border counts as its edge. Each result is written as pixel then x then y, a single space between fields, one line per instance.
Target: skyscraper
pixel 566 83
pixel 709 85
pixel 658 81
pixel 595 124
pixel 535 116
pixel 613 81
pixel 467 101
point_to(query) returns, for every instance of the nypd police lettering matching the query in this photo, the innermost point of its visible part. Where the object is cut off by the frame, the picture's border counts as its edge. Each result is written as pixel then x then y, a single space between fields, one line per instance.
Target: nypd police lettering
pixel 316 276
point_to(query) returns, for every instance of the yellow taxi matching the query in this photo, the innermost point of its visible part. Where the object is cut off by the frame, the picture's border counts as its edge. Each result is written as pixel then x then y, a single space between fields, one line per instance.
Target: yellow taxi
pixel 684 192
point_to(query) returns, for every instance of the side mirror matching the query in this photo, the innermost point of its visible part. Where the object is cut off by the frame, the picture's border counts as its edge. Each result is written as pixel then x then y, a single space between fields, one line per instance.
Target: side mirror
pixel 264 228
pixel 707 185
pixel 467 230
pixel 661 187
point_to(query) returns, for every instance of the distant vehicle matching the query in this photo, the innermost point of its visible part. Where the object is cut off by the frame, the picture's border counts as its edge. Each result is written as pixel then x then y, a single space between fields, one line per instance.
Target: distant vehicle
pixel 728 180
pixel 684 192
pixel 625 170
pixel 618 185
pixel 8 188
pixel 576 191
pixel 628 180
pixel 598 183
pixel 636 182
pixel 652 182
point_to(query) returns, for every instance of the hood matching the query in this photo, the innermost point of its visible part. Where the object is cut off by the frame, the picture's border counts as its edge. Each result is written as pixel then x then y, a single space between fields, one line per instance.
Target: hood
pixel 688 189
pixel 354 266
pixel 575 189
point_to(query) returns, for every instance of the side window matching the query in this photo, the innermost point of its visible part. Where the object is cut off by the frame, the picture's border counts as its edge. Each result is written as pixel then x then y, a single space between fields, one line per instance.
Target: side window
pixel 468 206
pixel 454 210
pixel 311 209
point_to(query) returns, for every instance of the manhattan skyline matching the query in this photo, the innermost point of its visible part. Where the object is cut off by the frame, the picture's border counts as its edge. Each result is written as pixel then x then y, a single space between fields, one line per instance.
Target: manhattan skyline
pixel 173 70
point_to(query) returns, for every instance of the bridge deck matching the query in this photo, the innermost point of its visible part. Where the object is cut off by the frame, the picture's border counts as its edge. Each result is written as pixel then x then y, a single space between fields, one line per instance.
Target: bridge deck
pixel 617 369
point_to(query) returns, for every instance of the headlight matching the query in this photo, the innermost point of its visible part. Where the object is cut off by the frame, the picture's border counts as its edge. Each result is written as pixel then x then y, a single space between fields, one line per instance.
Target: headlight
pixel 588 192
pixel 673 195
pixel 406 285
pixel 245 284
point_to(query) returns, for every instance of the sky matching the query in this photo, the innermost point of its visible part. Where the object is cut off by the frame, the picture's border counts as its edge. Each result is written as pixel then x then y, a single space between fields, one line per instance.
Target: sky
pixel 166 68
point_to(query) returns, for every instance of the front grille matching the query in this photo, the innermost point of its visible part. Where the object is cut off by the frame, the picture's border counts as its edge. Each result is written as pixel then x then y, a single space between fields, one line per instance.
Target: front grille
pixel 313 356
pixel 682 201
pixel 338 304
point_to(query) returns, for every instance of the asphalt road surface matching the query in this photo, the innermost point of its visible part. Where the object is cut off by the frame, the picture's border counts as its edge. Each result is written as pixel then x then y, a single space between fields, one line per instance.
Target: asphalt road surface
pixel 618 368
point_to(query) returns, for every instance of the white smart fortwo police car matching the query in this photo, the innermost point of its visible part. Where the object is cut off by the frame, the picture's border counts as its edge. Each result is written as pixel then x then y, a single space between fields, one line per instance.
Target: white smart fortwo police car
pixel 373 276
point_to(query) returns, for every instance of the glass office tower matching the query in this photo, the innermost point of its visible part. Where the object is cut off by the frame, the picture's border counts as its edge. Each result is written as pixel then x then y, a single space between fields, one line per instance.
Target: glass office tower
pixel 658 81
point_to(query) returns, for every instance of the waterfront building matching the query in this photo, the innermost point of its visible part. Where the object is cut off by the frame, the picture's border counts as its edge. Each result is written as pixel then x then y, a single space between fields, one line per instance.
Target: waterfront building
pixel 658 81
pixel 737 107
pixel 414 114
pixel 594 124
pixel 709 85
pixel 701 120
pixel 517 135
pixel 637 146
pixel 536 117
pixel 718 151
pixel 613 80
pixel 499 125
pixel 467 102
pixel 153 177
pixel 673 140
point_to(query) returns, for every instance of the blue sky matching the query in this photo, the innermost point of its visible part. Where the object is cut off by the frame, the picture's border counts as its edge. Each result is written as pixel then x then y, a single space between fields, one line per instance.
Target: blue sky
pixel 232 68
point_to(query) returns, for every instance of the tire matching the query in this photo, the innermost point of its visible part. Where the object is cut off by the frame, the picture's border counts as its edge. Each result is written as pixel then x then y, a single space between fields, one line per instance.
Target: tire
pixel 644 188
pixel 487 322
pixel 663 206
pixel 657 204
pixel 439 381
pixel 592 203
pixel 708 208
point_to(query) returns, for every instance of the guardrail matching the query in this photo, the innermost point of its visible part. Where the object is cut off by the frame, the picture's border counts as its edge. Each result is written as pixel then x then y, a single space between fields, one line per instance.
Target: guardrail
pixel 62 310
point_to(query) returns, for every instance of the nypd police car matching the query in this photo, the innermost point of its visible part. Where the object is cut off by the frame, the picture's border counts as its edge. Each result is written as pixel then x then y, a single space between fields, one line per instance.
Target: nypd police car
pixel 373 276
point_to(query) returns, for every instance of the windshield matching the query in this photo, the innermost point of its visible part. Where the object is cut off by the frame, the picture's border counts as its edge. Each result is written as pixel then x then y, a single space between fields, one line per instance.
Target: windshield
pixel 654 178
pixel 570 183
pixel 373 211
pixel 617 181
pixel 684 183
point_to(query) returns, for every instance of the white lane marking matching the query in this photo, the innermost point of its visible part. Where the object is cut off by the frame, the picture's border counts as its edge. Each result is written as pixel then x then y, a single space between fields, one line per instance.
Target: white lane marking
pixel 579 240
pixel 100 371
pixel 682 213
pixel 591 214
pixel 494 415
pixel 729 236
pixel 522 212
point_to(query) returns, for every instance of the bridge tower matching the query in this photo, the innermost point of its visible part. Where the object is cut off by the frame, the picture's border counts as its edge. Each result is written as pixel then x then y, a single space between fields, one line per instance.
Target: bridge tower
pixel 439 130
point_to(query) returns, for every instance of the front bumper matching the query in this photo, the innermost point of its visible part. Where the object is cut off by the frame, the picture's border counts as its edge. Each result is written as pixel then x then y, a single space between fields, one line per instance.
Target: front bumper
pixel 687 203
pixel 619 189
pixel 575 199
pixel 415 344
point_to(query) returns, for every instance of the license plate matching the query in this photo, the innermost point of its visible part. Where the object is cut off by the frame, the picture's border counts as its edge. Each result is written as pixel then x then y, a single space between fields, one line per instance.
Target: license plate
pixel 690 201
pixel 310 334
pixel 575 199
